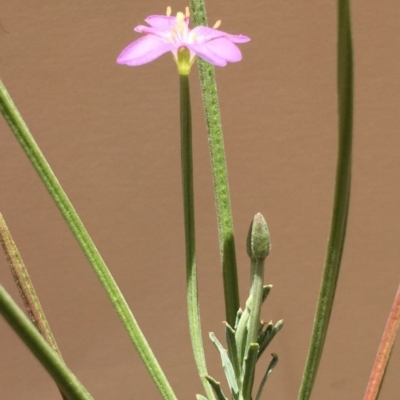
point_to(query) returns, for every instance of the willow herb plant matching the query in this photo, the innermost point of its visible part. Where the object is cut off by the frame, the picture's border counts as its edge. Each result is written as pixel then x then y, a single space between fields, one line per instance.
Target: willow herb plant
pixel 246 334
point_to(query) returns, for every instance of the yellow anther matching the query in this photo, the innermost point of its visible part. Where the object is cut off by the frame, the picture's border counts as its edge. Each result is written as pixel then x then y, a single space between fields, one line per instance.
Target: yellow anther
pixel 217 24
pixel 168 11
pixel 180 18
pixel 187 12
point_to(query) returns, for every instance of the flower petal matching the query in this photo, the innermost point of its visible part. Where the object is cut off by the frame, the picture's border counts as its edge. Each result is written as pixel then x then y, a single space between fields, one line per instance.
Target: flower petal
pixel 206 54
pixel 144 50
pixel 161 21
pixel 153 31
pixel 204 33
pixel 221 48
pixel 239 38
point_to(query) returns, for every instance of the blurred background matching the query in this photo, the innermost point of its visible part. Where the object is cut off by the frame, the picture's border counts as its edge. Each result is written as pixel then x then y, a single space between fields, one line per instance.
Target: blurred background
pixel 111 134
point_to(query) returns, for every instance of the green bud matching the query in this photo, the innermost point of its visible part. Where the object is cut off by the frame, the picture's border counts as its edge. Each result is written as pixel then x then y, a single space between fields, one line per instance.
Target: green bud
pixel 258 242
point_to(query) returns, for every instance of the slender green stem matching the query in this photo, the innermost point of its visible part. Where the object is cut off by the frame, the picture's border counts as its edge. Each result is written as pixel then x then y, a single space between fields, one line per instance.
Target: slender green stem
pixel 28 144
pixel 50 360
pixel 384 351
pixel 341 200
pixel 25 287
pixel 249 369
pixel 190 240
pixel 256 293
pixel 220 175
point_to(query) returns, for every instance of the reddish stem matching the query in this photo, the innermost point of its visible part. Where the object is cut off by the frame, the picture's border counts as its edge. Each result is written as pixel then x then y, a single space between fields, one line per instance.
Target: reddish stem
pixel 385 348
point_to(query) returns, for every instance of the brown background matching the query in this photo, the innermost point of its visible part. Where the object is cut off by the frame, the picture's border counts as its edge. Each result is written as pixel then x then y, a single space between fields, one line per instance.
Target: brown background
pixel 111 135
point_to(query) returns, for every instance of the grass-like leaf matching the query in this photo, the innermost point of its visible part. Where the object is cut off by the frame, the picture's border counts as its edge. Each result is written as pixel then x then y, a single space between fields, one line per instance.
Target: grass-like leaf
pixel 270 334
pixel 341 200
pixel 216 387
pixel 227 365
pixel 50 360
pixel 232 349
pixel 271 366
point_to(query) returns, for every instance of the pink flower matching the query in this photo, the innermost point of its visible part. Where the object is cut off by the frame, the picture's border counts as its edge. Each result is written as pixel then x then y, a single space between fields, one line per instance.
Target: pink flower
pixel 166 33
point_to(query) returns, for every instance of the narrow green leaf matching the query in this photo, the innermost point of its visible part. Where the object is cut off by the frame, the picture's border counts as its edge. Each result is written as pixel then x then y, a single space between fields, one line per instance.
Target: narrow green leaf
pixel 216 387
pixel 268 338
pixel 266 291
pixel 241 331
pixel 232 350
pixel 50 360
pixel 226 364
pixel 341 200
pixel 200 397
pixel 271 366
pixel 238 316
pixel 264 336
pixel 249 371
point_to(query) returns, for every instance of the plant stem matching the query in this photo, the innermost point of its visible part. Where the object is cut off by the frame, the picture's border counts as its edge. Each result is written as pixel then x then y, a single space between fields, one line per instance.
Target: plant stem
pixel 190 239
pixel 220 175
pixel 255 299
pixel 33 152
pixel 341 200
pixel 50 360
pixel 384 351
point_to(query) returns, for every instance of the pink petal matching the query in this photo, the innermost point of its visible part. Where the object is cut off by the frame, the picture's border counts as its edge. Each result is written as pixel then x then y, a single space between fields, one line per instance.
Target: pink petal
pixel 153 31
pixel 143 29
pixel 225 49
pixel 239 38
pixel 161 21
pixel 144 50
pixel 205 53
pixel 204 33
pixel 219 49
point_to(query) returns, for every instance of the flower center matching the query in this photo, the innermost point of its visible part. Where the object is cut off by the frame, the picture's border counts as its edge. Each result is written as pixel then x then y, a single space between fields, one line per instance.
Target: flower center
pixel 180 34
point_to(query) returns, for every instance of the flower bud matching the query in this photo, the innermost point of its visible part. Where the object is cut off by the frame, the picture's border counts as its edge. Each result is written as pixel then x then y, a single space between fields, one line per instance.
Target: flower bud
pixel 258 241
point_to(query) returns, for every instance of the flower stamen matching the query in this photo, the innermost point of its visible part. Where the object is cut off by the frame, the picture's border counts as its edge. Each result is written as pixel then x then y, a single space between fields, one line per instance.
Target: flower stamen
pixel 180 18
pixel 217 24
pixel 168 11
pixel 187 12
